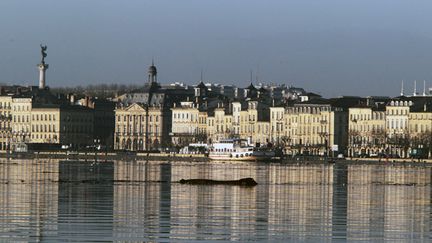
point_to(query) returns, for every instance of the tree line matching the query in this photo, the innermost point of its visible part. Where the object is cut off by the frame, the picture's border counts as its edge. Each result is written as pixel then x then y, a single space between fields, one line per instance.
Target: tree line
pixel 97 90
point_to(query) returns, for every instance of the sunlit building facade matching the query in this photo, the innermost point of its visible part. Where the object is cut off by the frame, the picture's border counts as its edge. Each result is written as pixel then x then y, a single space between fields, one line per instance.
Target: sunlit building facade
pixel 310 128
pixel 5 121
pixel 367 131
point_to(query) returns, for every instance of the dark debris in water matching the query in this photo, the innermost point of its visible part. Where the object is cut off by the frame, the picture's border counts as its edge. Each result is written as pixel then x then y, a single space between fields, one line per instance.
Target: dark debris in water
pixel 242 182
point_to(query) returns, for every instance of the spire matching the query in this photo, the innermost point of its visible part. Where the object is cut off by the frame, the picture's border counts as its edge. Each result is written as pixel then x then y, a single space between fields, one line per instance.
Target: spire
pixel 415 88
pixel 424 87
pixel 402 89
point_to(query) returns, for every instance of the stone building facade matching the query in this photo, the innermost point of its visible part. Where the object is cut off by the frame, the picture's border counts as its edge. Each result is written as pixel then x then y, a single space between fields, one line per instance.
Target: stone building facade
pixel 367 131
pixel 21 119
pixel 143 119
pixel 5 121
pixel 139 128
pixel 317 129
pixel 62 125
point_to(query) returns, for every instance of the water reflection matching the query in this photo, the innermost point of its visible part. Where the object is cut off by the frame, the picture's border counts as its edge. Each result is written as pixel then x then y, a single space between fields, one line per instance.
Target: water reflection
pixel 28 200
pixel 141 201
pixel 389 202
pixel 85 194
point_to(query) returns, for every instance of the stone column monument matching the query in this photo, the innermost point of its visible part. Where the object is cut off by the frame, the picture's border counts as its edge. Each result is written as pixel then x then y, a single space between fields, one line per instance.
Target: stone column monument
pixel 42 67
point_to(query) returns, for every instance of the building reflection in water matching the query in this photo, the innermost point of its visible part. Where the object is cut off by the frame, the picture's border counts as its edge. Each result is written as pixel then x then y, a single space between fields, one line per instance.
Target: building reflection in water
pixel 142 201
pixel 138 200
pixel 300 202
pixel 202 212
pixel 388 202
pixel 28 199
pixel 85 210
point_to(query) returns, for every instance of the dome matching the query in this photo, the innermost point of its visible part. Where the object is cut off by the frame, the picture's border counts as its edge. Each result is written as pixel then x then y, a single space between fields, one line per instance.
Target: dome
pixel 201 85
pixel 251 87
pixel 152 69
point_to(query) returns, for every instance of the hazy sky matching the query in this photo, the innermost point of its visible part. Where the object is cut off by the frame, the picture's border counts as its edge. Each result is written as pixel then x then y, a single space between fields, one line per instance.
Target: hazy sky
pixel 330 47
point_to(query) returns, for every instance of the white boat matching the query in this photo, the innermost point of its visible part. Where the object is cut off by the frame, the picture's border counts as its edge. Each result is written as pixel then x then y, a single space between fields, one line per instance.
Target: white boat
pixel 238 150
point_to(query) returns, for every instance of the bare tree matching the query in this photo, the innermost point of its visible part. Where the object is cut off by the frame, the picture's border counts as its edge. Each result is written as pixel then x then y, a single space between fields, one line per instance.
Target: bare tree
pixel 378 137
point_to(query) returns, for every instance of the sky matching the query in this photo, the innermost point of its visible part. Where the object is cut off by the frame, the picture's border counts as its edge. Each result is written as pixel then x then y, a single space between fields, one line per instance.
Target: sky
pixel 331 47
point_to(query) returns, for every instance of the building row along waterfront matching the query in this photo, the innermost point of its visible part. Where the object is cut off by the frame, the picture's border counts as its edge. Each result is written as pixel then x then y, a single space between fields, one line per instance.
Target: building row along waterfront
pixel 398 127
pixel 156 117
pixel 354 126
pixel 36 118
pixel 32 116
pixel 159 117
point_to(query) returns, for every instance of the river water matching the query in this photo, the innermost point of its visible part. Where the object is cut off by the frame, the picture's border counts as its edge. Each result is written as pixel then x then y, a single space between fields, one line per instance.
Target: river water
pixel 136 201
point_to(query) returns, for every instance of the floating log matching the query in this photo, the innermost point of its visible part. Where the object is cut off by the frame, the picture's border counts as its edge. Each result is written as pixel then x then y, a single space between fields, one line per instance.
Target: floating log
pixel 241 182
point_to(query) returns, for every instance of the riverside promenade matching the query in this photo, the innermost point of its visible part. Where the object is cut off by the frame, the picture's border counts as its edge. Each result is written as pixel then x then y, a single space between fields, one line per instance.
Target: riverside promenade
pixel 104 156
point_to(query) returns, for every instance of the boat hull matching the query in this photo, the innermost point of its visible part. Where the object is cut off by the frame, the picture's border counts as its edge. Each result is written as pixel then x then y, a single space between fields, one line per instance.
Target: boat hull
pixel 234 158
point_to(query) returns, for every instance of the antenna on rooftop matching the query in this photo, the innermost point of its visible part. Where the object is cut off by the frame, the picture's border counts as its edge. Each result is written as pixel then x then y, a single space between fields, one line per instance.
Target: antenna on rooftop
pixel 402 89
pixel 257 74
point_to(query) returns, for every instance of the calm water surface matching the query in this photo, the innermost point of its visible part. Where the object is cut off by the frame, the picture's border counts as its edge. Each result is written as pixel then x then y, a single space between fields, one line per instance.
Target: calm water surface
pixel 69 201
